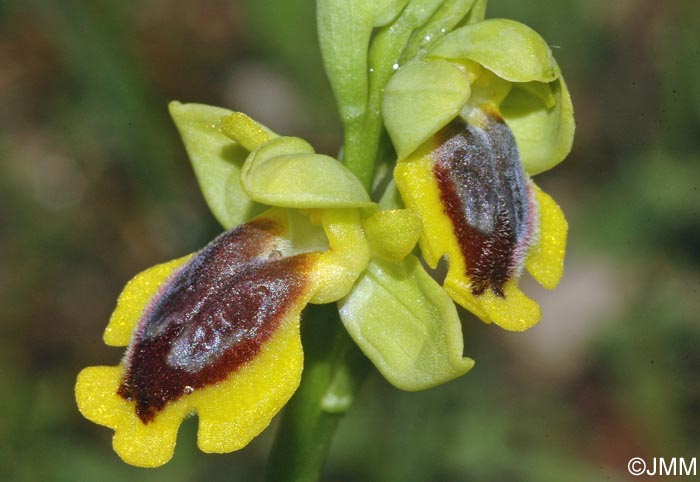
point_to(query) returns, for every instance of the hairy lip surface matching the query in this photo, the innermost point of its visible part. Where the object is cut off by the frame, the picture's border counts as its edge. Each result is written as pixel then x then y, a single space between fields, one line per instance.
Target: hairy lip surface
pixel 212 316
pixel 485 193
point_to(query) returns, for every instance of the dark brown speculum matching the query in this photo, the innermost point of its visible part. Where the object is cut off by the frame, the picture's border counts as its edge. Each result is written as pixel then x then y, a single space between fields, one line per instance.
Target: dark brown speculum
pixel 212 316
pixel 485 193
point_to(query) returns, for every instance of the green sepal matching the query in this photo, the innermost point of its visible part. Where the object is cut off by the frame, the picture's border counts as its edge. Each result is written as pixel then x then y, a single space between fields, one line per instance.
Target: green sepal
pixel 405 323
pixel 216 160
pixel 286 172
pixel 544 134
pixel 420 99
pixel 509 49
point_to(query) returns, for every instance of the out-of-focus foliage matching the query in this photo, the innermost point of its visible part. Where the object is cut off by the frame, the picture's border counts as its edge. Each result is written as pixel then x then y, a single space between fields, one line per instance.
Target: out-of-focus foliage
pixel 95 186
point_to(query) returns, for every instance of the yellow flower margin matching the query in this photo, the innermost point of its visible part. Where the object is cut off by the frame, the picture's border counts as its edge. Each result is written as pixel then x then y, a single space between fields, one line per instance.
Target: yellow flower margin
pixel 545 259
pixel 232 412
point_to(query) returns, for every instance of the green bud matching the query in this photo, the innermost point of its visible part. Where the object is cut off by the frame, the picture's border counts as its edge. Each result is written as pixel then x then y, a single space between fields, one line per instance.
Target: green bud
pixel 420 99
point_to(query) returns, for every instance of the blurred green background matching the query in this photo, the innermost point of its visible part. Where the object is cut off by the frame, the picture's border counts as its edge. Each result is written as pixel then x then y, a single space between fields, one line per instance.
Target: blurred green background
pixel 95 186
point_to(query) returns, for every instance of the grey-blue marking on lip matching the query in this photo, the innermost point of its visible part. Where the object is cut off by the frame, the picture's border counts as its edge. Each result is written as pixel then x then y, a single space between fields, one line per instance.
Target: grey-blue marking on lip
pixel 485 193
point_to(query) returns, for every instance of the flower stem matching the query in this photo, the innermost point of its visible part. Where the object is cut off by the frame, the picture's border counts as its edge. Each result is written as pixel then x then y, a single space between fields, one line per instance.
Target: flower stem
pixel 334 369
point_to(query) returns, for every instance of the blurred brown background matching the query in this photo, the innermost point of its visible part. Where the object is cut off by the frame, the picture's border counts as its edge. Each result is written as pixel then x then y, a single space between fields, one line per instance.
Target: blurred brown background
pixel 95 186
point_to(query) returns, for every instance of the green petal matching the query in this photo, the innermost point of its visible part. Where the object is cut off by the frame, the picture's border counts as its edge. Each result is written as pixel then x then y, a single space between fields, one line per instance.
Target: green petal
pixel 544 135
pixel 511 50
pixel 217 162
pixel 286 172
pixel 406 324
pixel 420 99
pixel 244 130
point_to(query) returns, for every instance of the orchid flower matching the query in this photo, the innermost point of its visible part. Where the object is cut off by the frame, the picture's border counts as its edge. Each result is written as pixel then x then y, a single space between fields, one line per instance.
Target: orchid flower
pixel 484 110
pixel 473 108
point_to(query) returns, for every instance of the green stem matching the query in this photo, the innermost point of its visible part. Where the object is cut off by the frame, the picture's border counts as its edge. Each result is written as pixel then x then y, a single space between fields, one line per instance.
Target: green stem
pixel 334 369
pixel 361 146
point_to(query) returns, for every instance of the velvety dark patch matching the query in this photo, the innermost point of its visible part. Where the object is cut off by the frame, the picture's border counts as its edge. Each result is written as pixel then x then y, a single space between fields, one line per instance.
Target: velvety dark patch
pixel 485 194
pixel 213 316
